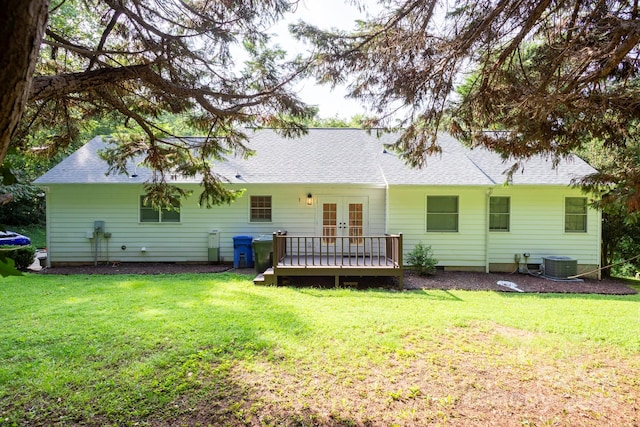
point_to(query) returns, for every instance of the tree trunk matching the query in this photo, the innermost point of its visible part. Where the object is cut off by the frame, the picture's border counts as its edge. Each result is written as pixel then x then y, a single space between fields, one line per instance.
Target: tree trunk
pixel 22 26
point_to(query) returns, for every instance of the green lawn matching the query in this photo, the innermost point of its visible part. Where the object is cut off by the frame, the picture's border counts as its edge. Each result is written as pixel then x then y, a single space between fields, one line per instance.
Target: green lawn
pixel 215 349
pixel 35 232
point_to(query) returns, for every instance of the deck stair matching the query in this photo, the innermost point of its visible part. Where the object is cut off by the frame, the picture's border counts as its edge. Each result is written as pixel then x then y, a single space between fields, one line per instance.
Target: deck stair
pixel 267 278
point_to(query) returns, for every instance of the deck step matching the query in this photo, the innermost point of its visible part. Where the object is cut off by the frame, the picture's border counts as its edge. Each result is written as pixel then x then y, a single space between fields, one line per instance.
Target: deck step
pixel 267 278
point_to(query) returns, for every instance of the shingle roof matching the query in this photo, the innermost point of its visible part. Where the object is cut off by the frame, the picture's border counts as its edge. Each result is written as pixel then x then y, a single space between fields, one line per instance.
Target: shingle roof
pixel 536 170
pixel 334 156
pixel 451 167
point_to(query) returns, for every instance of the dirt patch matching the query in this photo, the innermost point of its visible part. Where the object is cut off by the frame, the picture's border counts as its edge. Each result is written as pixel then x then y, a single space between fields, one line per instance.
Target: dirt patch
pixel 498 378
pixel 446 280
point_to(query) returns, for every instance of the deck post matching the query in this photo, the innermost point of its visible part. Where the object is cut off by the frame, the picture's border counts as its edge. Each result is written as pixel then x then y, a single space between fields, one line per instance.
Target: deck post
pixel 274 248
pixel 275 255
pixel 400 266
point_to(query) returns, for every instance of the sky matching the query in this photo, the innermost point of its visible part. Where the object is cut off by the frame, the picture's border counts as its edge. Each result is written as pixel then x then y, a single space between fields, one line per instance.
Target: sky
pixel 324 14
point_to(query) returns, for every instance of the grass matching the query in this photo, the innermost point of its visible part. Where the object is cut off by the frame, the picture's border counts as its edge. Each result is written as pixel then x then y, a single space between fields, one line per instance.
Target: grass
pixel 215 350
pixel 35 232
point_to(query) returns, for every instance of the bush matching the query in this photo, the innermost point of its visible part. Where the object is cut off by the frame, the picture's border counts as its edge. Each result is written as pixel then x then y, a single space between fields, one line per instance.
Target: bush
pixel 23 256
pixel 422 260
pixel 26 207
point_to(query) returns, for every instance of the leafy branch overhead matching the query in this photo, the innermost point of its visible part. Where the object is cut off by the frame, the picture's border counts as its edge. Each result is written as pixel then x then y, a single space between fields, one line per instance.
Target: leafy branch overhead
pixel 551 74
pixel 138 60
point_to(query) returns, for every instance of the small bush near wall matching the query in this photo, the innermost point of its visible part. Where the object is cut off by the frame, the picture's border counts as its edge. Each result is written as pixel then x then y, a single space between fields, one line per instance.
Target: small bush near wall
pixel 422 260
pixel 23 256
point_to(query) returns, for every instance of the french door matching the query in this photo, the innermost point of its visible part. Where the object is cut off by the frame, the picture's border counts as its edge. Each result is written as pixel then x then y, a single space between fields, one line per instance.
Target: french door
pixel 343 217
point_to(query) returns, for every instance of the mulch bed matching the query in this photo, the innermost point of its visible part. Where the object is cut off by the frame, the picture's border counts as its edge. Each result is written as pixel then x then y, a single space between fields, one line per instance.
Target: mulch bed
pixel 523 282
pixel 139 268
pixel 445 280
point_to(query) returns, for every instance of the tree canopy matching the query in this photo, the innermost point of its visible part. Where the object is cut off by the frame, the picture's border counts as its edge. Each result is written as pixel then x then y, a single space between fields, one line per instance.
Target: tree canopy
pixel 550 75
pixel 135 61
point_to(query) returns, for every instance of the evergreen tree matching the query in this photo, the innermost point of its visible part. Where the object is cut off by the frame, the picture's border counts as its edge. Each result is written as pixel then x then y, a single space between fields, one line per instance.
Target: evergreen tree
pixel 552 74
pixel 137 60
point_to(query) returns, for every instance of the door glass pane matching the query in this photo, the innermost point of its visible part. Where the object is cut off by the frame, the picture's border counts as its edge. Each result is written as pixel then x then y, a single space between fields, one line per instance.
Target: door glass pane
pixel 329 222
pixel 355 223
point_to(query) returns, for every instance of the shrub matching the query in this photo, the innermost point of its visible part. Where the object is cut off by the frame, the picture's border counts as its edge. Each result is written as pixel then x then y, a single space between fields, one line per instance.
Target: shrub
pixel 23 256
pixel 27 205
pixel 422 260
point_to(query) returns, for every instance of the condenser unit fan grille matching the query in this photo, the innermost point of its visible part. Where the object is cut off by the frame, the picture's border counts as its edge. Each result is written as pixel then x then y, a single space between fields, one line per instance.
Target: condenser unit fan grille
pixel 559 267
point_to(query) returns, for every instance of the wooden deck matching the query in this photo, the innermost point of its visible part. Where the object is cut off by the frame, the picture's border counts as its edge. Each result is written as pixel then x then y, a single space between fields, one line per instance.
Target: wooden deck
pixel 335 256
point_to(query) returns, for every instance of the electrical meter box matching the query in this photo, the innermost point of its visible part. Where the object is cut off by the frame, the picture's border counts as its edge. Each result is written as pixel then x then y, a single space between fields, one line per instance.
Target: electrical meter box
pixel 98 226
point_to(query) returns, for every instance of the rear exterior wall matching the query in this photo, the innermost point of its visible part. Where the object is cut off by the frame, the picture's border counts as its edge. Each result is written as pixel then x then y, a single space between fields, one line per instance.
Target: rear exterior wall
pixel 73 208
pixel 536 227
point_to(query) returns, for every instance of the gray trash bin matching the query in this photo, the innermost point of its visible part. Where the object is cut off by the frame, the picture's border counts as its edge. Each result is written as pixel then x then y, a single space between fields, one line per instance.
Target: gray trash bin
pixel 263 252
pixel 214 246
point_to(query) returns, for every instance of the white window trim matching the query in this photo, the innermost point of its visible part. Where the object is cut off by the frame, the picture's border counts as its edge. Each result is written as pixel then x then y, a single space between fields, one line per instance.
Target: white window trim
pixel 250 219
pixel 586 216
pixel 426 217
pixel 495 230
pixel 140 221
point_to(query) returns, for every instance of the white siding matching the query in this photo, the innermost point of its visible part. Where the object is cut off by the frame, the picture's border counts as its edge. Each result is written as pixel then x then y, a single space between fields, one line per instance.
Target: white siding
pixel 536 225
pixel 73 208
pixel 464 248
pixel 536 222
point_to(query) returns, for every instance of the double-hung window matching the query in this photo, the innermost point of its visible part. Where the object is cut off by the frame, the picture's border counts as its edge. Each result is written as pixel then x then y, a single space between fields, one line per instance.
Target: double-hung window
pixel 575 215
pixel 499 213
pixel 150 214
pixel 260 210
pixel 442 213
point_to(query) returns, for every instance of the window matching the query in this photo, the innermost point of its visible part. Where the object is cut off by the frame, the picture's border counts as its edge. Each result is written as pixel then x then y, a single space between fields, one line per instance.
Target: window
pixel 575 215
pixel 442 213
pixel 260 209
pixel 149 214
pixel 499 213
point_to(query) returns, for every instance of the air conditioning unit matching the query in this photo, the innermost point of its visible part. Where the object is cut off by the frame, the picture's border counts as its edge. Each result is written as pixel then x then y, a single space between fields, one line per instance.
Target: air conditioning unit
pixel 559 267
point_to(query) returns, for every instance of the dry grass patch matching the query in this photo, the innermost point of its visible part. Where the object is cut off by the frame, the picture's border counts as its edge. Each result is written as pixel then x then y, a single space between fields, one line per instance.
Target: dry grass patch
pixel 501 377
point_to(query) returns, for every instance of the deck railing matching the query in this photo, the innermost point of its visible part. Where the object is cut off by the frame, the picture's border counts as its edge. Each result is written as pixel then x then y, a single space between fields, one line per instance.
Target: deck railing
pixel 330 251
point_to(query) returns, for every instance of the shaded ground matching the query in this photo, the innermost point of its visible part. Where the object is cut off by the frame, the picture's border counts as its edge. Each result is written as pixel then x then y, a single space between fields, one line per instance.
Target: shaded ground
pixel 442 280
pixel 477 373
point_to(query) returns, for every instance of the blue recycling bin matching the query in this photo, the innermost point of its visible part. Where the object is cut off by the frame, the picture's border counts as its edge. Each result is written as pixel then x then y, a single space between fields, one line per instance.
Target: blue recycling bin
pixel 242 252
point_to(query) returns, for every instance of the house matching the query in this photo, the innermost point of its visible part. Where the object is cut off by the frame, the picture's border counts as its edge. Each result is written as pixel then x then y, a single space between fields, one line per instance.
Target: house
pixel 331 182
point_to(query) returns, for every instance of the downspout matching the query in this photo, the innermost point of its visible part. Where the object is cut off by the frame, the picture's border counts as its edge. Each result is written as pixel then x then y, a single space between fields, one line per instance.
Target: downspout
pixel 486 224
pixel 599 242
pixel 47 227
pixel 386 196
pixel 486 230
